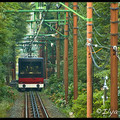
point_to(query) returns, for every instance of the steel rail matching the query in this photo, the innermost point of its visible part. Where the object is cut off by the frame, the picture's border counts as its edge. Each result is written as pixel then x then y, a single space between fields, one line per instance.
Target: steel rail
pixel 45 112
pixel 32 104
pixel 26 106
pixel 35 104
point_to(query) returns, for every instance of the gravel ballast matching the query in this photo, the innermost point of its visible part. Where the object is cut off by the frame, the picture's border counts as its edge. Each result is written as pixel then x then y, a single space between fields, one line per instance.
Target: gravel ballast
pixel 52 110
pixel 17 109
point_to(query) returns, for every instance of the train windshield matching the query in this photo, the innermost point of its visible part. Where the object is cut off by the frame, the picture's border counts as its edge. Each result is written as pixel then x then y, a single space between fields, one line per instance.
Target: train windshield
pixel 31 69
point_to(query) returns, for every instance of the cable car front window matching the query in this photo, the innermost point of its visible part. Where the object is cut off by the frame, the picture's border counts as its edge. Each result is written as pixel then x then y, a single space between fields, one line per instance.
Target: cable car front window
pixel 31 68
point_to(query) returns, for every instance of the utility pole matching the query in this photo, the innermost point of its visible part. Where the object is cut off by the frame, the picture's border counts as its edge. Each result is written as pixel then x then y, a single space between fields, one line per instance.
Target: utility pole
pixel 75 51
pixel 40 50
pixel 13 74
pixel 43 55
pixel 46 59
pixel 53 57
pixel 58 52
pixel 66 55
pixel 89 60
pixel 114 64
pixel 14 63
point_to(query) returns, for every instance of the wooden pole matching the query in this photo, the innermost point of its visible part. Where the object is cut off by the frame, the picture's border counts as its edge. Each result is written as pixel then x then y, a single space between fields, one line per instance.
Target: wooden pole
pixel 40 50
pixel 66 55
pixel 14 63
pixel 13 74
pixel 46 59
pixel 75 51
pixel 58 52
pixel 114 64
pixel 43 55
pixel 89 60
pixel 53 59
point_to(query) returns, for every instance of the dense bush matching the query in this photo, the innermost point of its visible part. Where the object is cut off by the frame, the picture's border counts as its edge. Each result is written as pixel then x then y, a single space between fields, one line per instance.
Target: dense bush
pixel 7 98
pixel 101 37
pixel 80 106
pixel 7 92
pixel 12 29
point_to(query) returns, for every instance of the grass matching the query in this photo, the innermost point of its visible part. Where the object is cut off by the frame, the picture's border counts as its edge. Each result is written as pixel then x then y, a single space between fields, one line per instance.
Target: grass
pixel 64 110
pixel 4 107
pixel 7 98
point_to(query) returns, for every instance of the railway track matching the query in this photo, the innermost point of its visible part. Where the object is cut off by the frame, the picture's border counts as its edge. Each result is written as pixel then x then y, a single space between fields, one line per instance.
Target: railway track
pixel 34 107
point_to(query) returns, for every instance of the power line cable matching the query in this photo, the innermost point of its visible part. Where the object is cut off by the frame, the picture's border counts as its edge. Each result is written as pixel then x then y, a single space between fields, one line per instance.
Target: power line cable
pixel 97 55
pixel 96 65
pixel 96 12
pixel 41 21
pixel 96 45
pixel 96 39
pixel 98 32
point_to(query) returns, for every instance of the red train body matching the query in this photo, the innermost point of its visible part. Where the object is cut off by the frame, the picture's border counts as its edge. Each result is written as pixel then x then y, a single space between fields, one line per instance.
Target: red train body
pixel 31 73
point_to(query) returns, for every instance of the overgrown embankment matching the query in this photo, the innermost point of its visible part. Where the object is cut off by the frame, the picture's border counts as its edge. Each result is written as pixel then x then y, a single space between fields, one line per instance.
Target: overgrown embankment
pixel 7 97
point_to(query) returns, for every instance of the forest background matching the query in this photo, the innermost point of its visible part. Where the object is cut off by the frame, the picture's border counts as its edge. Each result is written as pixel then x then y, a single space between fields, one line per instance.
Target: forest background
pixel 13 27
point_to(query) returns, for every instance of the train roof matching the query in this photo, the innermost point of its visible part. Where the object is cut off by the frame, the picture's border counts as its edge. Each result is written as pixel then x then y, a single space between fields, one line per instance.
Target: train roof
pixel 31 59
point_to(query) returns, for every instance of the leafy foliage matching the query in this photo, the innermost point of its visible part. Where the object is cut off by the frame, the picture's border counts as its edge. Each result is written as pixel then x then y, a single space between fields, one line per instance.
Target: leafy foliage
pixel 12 29
pixel 79 106
pixel 101 37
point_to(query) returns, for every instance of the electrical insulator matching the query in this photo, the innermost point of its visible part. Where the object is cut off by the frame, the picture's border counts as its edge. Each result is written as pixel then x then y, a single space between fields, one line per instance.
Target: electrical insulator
pixel 115 48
